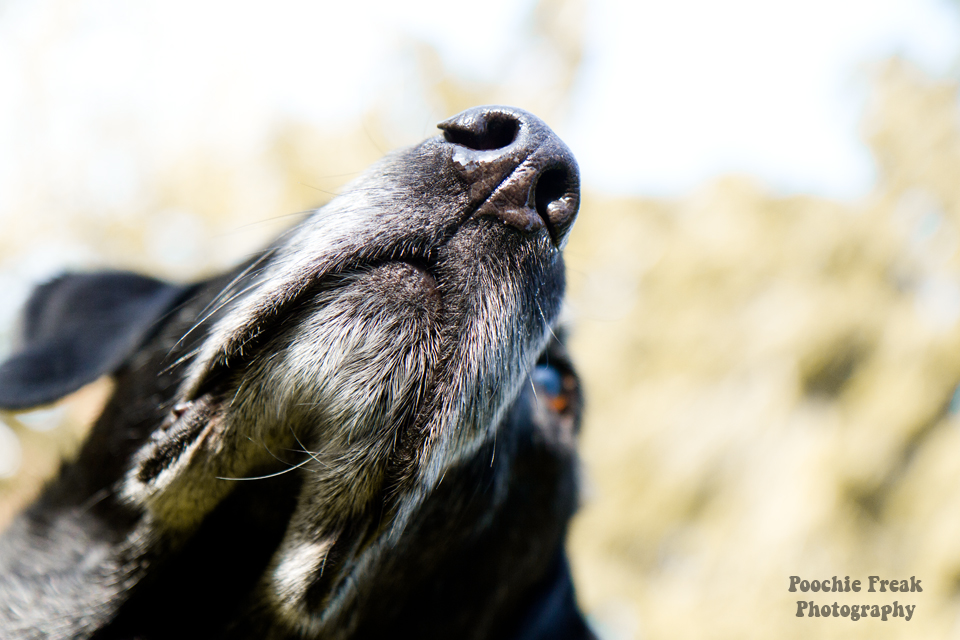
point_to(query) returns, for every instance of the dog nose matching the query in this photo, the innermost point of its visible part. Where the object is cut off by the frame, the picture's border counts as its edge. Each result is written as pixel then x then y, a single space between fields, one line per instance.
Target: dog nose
pixel 528 175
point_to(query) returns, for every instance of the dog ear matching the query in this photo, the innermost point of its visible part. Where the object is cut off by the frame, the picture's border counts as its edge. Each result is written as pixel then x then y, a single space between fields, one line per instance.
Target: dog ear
pixel 79 327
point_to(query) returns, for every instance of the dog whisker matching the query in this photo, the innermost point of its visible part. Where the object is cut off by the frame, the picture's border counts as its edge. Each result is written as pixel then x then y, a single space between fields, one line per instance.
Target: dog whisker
pixel 269 475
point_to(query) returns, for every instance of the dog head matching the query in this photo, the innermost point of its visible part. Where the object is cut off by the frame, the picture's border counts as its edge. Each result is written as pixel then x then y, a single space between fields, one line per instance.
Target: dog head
pixel 384 341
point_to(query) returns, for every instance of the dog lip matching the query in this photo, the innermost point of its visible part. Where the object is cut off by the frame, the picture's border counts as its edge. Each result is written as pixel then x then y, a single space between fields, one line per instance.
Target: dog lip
pixel 211 377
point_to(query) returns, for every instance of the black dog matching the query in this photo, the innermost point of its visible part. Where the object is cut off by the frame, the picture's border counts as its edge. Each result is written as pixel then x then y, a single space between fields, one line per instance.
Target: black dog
pixel 366 432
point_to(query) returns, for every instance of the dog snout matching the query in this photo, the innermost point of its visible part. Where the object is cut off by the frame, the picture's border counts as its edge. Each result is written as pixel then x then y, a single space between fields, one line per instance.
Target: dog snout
pixel 528 176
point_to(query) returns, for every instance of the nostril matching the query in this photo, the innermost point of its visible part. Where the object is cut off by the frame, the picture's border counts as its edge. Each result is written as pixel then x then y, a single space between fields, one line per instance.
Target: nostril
pixel 549 192
pixel 551 186
pixel 494 131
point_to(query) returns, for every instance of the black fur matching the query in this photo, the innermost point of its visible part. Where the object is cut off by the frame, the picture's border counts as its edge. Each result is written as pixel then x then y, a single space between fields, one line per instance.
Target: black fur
pixel 187 510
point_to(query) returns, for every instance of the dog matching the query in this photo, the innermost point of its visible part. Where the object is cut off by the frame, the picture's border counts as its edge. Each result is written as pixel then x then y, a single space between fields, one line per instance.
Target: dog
pixel 366 431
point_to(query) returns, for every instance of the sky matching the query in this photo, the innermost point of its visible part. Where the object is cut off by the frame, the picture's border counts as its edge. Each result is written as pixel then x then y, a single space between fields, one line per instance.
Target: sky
pixel 669 96
pixel 770 88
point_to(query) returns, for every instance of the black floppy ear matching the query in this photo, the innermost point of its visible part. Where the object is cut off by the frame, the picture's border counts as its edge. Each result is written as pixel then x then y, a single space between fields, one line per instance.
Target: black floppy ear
pixel 79 327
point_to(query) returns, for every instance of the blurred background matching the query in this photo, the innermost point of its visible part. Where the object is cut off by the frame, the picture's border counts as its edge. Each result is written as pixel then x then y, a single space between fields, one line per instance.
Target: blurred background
pixel 764 280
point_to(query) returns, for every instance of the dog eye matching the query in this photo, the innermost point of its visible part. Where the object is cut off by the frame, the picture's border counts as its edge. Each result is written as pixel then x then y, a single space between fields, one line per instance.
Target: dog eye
pixel 549 384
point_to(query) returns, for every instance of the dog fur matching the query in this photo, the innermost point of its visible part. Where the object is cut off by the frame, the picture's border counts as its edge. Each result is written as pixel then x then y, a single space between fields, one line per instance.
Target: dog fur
pixel 367 431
